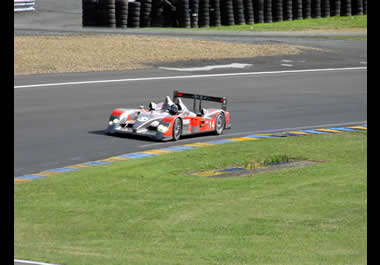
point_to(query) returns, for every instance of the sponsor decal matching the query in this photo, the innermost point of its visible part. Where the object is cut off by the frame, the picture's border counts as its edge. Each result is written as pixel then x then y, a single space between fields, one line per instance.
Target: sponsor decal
pixel 142 119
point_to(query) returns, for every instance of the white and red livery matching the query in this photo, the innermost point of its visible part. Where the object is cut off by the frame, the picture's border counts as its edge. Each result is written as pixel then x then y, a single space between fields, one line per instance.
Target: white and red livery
pixel 171 119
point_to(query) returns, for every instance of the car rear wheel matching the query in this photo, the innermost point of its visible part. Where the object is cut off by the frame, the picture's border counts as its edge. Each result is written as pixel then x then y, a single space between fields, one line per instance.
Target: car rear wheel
pixel 220 123
pixel 177 129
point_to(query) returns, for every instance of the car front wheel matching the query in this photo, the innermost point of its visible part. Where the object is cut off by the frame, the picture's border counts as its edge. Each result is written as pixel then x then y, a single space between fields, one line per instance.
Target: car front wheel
pixel 177 129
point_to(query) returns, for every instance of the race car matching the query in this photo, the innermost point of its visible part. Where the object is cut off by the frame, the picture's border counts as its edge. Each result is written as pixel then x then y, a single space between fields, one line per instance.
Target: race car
pixel 171 119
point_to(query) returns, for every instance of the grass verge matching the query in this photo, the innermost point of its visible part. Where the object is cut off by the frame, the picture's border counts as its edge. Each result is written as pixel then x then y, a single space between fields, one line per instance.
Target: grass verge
pixel 150 211
pixel 349 23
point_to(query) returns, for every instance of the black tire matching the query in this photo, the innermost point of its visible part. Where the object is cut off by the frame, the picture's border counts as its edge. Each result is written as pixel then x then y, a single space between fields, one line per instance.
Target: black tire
pixel 259 10
pixel 335 8
pixel 194 10
pixel 325 8
pixel 357 7
pixel 346 10
pixel 365 7
pixel 220 123
pixel 89 13
pixel 248 12
pixel 306 8
pixel 238 11
pixel 316 9
pixel 204 14
pixel 227 12
pixel 277 10
pixel 215 15
pixel 268 11
pixel 177 129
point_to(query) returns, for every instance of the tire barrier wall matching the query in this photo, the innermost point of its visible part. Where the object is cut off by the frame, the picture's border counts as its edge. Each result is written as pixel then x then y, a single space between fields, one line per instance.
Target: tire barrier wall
pixel 204 14
pixel 121 13
pixel 215 16
pixel 297 9
pixel 23 5
pixel 258 7
pixel 207 13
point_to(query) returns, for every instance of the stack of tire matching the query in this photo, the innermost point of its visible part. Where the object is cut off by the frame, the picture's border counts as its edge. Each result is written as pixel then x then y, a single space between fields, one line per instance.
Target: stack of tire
pixel 194 10
pixel 306 7
pixel 134 10
pixel 145 12
pixel 365 7
pixel 316 9
pixel 183 13
pixel 170 13
pixel 357 7
pixel 121 13
pixel 248 12
pixel 215 19
pixel 277 10
pixel 157 15
pixel 238 12
pixel 325 8
pixel 288 10
pixel 268 11
pixel 346 8
pixel 227 12
pixel 204 14
pixel 258 7
pixel 297 9
pixel 89 13
pixel 106 13
pixel 335 7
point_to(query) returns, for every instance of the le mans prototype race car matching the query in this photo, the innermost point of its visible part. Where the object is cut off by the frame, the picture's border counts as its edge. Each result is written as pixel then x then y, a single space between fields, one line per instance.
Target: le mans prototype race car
pixel 171 119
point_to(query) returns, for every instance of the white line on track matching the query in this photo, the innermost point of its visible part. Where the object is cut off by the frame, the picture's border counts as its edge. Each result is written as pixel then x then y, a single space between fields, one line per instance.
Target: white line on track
pixel 191 76
pixel 208 68
pixel 20 261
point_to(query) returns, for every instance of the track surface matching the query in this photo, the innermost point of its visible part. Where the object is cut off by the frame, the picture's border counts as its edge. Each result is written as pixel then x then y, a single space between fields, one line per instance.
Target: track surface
pixel 60 125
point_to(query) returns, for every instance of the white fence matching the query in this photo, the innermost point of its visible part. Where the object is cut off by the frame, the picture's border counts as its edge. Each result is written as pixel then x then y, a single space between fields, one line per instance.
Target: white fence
pixel 24 5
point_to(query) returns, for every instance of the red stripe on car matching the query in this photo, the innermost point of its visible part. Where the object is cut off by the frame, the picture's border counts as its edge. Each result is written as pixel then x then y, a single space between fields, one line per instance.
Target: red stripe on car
pixel 117 112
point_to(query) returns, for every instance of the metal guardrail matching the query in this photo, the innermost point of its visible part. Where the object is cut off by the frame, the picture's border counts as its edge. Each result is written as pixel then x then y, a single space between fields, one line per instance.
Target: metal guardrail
pixel 24 5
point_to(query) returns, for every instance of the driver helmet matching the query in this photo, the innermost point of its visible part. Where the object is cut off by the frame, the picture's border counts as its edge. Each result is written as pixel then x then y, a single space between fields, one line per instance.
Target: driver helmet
pixel 173 109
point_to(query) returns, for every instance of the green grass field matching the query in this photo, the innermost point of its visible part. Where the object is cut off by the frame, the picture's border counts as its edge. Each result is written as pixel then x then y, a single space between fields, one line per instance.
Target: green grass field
pixel 151 211
pixel 331 23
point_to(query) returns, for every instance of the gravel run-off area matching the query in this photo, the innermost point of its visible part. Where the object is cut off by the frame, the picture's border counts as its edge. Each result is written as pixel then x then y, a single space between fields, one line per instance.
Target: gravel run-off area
pixel 91 53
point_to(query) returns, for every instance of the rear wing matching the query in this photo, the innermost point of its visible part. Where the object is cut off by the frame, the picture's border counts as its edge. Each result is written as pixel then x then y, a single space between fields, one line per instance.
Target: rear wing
pixel 222 100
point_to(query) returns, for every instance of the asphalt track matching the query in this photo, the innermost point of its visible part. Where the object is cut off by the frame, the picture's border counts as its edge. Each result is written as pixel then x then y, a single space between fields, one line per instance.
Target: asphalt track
pixel 60 125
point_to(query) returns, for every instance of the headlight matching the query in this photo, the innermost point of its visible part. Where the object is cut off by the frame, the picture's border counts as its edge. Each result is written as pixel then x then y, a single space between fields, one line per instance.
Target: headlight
pixel 162 128
pixel 115 120
pixel 110 123
pixel 155 123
